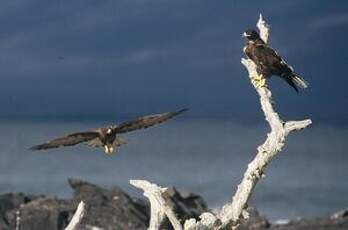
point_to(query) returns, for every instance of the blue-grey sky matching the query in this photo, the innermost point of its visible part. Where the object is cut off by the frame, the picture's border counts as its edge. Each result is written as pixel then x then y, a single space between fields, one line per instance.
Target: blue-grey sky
pixel 96 59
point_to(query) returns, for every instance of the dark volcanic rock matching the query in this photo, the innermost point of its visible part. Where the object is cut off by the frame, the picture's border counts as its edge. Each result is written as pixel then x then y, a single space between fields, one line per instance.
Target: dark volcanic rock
pixel 114 209
pixel 42 213
pixel 255 222
pixel 105 209
pixel 315 224
pixel 338 221
pixel 109 209
pixel 186 205
pixel 9 202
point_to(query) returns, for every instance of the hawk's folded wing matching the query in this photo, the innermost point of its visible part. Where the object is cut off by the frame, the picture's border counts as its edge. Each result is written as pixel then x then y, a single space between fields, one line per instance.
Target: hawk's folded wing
pixel 266 55
pixel 69 140
pixel 146 121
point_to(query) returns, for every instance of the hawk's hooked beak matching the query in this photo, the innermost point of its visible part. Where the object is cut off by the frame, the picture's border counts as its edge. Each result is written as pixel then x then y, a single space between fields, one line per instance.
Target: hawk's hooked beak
pixel 108 149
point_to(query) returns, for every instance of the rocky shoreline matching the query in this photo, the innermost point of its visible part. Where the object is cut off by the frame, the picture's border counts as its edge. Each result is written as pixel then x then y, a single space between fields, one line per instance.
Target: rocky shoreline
pixel 115 210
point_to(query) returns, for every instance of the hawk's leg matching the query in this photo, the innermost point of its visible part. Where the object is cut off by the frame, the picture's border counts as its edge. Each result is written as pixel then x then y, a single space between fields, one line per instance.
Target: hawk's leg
pixel 258 81
pixel 108 149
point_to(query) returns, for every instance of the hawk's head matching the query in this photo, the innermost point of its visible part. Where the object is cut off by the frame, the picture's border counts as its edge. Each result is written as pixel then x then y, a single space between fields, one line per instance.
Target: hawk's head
pixel 109 131
pixel 251 34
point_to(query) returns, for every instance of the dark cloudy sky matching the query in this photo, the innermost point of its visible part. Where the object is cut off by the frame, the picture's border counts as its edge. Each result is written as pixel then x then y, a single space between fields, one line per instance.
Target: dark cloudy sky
pixel 91 59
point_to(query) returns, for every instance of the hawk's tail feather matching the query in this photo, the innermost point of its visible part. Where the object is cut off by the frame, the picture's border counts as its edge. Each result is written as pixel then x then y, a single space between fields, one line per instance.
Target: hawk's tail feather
pixel 295 81
pixel 300 82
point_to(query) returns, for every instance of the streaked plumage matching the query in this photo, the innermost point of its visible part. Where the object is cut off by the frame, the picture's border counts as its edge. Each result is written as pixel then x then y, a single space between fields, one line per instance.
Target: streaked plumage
pixel 108 137
pixel 268 61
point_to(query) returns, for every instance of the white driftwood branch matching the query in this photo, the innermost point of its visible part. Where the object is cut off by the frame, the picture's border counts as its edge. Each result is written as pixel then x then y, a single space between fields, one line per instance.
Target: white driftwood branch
pixel 231 213
pixel 264 29
pixel 207 221
pixel 76 220
pixel 159 204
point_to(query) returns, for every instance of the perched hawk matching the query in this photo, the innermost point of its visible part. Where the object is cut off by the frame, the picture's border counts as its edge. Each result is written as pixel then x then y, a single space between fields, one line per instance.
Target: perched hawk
pixel 108 137
pixel 268 62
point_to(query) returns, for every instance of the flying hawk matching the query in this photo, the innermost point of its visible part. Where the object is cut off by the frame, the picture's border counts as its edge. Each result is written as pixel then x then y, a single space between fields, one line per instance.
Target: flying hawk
pixel 108 137
pixel 268 61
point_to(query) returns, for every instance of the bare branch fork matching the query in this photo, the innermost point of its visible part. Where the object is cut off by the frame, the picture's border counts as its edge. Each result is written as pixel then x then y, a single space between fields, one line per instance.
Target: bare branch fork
pixel 231 213
pixel 159 205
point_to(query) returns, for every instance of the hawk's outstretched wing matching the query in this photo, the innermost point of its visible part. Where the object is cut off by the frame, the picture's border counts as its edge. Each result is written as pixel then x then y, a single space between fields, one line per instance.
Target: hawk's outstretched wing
pixel 69 140
pixel 145 122
pixel 95 143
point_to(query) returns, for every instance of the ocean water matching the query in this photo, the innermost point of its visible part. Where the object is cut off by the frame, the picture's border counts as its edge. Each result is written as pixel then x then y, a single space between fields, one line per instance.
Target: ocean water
pixel 309 178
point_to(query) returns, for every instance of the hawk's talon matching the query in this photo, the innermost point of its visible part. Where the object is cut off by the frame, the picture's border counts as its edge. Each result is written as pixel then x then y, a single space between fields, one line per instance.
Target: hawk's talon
pixel 108 149
pixel 258 81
